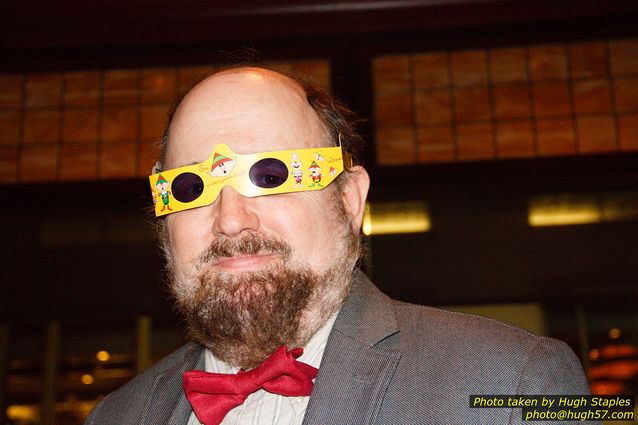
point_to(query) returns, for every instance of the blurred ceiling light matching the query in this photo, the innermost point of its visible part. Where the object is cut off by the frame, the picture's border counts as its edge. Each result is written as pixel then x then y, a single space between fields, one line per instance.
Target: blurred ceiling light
pixel 22 413
pixel 560 210
pixel 570 209
pixel 395 217
pixel 618 369
pixel 614 333
pixel 607 388
pixel 87 379
pixel 594 354
pixel 103 356
pixel 618 350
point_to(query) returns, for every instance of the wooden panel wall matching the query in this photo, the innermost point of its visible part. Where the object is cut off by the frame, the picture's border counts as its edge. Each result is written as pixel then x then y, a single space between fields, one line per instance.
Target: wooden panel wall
pixel 95 125
pixel 527 101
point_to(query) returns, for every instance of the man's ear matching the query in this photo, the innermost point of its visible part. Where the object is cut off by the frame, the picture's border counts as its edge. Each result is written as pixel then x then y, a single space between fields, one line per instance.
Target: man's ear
pixel 354 194
pixel 157 168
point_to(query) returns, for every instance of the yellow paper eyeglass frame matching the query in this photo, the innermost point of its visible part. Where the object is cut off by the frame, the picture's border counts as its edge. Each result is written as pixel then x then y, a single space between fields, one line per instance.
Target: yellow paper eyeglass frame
pixel 257 174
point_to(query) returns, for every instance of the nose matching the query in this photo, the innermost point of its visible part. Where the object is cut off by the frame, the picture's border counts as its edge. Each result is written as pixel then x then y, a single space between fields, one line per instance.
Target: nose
pixel 232 213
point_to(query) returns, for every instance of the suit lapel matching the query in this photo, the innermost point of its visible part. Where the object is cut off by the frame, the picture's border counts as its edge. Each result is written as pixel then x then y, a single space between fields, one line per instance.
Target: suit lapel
pixel 354 372
pixel 167 403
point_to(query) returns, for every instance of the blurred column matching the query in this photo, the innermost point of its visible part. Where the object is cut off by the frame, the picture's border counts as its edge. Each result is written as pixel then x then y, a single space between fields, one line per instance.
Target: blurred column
pixel 4 370
pixel 51 360
pixel 583 339
pixel 143 359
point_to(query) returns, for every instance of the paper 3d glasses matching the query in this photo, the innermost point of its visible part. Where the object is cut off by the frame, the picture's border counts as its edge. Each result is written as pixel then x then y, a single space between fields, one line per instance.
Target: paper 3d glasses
pixel 257 174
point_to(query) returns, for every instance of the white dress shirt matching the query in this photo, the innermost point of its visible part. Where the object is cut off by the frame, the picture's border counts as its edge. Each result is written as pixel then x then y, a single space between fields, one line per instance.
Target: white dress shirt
pixel 262 407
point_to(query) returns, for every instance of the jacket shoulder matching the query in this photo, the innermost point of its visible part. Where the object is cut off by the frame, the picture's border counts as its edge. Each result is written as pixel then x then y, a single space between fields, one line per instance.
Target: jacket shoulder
pixel 459 328
pixel 126 404
pixel 501 355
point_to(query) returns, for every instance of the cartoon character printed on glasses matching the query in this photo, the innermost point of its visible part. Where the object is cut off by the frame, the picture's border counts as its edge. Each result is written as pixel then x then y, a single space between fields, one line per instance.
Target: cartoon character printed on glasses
pixel 163 193
pixel 222 165
pixel 315 174
pixel 297 172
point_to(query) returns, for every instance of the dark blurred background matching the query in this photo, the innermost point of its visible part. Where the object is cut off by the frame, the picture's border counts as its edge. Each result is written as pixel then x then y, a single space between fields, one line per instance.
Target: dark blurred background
pixel 503 151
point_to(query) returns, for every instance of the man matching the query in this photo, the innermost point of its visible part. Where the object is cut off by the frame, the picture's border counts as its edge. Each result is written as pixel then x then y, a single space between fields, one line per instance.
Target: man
pixel 253 272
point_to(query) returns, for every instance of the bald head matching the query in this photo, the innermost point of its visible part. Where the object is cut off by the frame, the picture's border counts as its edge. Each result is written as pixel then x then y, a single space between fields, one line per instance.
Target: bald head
pixel 249 109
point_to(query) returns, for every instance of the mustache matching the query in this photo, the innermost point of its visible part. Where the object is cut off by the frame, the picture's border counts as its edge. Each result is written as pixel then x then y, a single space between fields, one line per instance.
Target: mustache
pixel 248 244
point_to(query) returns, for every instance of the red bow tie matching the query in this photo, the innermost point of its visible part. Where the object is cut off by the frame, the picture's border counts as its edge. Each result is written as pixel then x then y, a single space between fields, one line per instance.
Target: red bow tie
pixel 213 395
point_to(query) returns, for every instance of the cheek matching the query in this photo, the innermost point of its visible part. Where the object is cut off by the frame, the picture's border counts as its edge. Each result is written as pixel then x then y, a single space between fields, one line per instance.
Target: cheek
pixel 307 222
pixel 187 236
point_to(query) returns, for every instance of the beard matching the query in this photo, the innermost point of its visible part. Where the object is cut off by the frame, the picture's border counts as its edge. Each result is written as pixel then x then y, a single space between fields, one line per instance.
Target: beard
pixel 243 317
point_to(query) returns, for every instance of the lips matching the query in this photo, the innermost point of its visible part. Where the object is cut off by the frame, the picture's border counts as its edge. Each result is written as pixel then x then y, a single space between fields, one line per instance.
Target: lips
pixel 248 252
pixel 243 262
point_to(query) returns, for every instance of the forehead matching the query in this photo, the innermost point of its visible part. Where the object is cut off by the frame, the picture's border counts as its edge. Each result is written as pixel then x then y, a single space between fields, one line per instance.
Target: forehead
pixel 249 109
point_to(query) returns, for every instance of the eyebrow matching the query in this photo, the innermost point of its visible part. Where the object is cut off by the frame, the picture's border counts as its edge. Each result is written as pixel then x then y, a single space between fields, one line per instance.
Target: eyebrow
pixel 186 165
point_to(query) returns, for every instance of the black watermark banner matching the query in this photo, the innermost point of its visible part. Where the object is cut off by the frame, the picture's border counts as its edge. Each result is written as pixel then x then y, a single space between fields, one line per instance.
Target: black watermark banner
pixel 561 407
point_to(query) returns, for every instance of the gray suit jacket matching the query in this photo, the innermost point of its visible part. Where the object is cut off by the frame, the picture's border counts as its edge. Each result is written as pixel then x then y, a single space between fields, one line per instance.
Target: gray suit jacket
pixel 386 362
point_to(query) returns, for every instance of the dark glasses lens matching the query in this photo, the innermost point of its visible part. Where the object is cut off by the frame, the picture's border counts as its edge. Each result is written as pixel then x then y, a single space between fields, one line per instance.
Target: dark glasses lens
pixel 187 187
pixel 268 173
